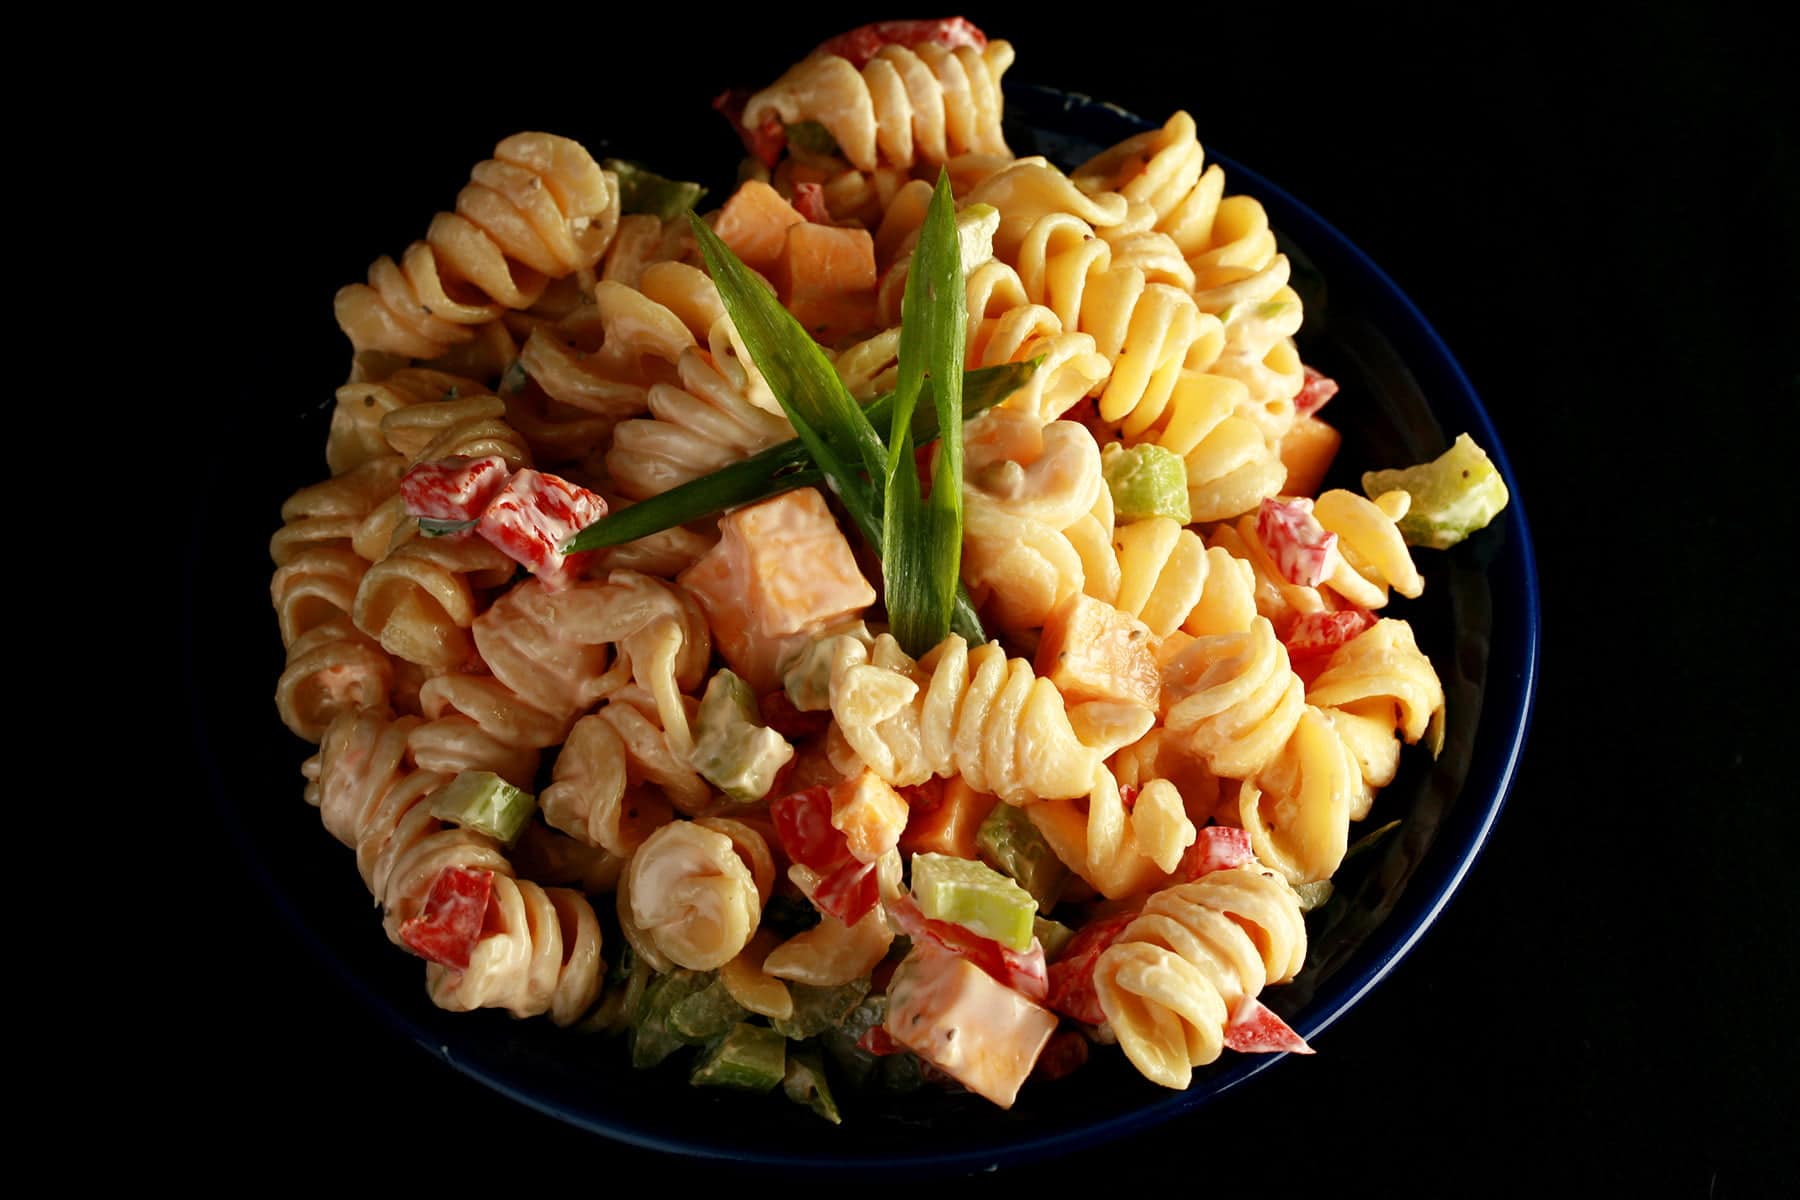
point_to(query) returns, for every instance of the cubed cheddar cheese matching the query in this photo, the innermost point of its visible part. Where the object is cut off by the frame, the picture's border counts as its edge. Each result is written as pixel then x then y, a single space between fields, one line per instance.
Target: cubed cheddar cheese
pixel 948 825
pixel 966 1023
pixel 870 814
pixel 1092 651
pixel 825 276
pixel 754 223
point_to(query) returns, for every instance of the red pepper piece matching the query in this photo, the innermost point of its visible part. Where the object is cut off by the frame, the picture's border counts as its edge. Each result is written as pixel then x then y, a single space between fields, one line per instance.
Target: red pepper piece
pixel 809 201
pixel 1313 394
pixel 454 488
pixel 1128 794
pixel 878 1041
pixel 1312 638
pixel 861 44
pixel 1218 848
pixel 1072 975
pixel 1256 1030
pixel 849 892
pixel 1301 548
pixel 847 889
pixel 779 714
pixel 764 143
pixel 450 925
pixel 534 516
pixel 1023 973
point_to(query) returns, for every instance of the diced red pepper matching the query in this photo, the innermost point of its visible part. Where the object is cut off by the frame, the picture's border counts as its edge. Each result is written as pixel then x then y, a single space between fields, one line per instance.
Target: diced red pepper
pixel 1062 1055
pixel 1128 794
pixel 809 201
pixel 1217 848
pixel 1072 975
pixel 878 1041
pixel 1256 1030
pixel 1313 394
pixel 450 925
pixel 534 516
pixel 779 714
pixel 847 889
pixel 764 143
pixel 1312 638
pixel 1301 548
pixel 1022 972
pixel 454 488
pixel 863 43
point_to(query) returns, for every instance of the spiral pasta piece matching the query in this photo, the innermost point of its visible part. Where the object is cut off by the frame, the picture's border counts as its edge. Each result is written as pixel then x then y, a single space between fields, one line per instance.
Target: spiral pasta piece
pixel 371 796
pixel 906 108
pixel 356 419
pixel 963 712
pixel 691 893
pixel 1298 809
pixel 420 601
pixel 1382 674
pixel 1197 952
pixel 693 429
pixel 616 777
pixel 1233 700
pixel 331 514
pixel 539 953
pixel 540 209
pixel 332 668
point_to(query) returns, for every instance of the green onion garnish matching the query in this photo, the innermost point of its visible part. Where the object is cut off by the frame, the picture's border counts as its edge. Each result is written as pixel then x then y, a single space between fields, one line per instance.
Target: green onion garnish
pixel 834 430
pixel 783 467
pixel 642 190
pixel 922 539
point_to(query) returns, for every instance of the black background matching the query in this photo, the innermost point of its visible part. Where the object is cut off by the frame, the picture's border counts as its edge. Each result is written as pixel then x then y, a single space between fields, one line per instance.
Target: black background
pixel 1598 215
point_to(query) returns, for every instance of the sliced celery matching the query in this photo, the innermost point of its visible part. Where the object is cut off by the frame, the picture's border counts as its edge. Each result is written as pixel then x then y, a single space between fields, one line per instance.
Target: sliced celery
pixel 705 1014
pixel 1011 844
pixel 651 1038
pixel 975 896
pixel 1146 481
pixel 732 748
pixel 1052 935
pixel 751 1058
pixel 1453 495
pixel 817 1009
pixel 485 803
pixel 805 1083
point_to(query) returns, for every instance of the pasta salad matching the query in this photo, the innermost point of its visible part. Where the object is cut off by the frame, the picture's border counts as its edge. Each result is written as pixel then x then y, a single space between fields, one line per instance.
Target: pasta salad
pixel 883 629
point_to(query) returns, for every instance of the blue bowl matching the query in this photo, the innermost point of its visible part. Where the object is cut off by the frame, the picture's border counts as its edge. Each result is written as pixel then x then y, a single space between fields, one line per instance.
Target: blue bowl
pixel 1404 398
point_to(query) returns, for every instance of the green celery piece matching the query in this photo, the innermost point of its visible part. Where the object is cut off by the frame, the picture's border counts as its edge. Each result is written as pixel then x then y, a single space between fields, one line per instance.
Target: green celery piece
pixel 733 749
pixel 827 421
pixel 817 1009
pixel 975 896
pixel 810 137
pixel 642 190
pixel 1313 895
pixel 1146 481
pixel 782 467
pixel 705 1014
pixel 651 1038
pixel 921 550
pixel 1052 935
pixel 1453 495
pixel 485 803
pixel 750 1058
pixel 805 1083
pixel 625 984
pixel 1008 842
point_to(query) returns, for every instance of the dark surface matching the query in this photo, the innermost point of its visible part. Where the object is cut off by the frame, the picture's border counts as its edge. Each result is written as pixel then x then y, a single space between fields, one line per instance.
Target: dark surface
pixel 1597 219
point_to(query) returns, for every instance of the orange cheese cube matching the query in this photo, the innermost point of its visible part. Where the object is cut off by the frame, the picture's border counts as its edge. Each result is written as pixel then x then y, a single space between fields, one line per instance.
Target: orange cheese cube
pixel 948 824
pixel 870 814
pixel 826 278
pixel 1092 651
pixel 754 223
pixel 966 1023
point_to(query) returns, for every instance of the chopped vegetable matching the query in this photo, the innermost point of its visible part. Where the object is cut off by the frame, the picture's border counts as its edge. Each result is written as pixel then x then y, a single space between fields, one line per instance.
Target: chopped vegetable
pixel 1024 973
pixel 765 142
pixel 1009 842
pixel 1072 990
pixel 732 749
pixel 805 1083
pixel 1453 495
pixel 921 547
pixel 959 1019
pixel 450 924
pixel 1254 1029
pixel 1093 651
pixel 1216 848
pixel 431 527
pixel 1053 935
pixel 809 202
pixel 706 1014
pixel 750 1058
pixel 531 519
pixel 1301 549
pixel 975 896
pixel 810 138
pixel 485 803
pixel 453 491
pixel 1146 481
pixel 642 190
pixel 652 1040
pixel 817 1009
pixel 1313 637
pixel 626 982
pixel 1313 394
pixel 1313 895
pixel 848 887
